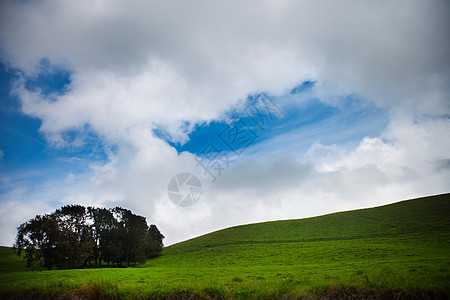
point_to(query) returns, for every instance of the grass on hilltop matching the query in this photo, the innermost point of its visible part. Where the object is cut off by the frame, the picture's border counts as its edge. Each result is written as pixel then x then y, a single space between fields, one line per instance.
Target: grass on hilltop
pixel 400 250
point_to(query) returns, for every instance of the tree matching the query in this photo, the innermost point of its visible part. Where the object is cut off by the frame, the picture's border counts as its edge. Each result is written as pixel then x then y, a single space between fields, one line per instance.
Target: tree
pixel 132 230
pixel 36 238
pixel 154 241
pixel 45 242
pixel 103 222
pixel 74 218
pixel 74 236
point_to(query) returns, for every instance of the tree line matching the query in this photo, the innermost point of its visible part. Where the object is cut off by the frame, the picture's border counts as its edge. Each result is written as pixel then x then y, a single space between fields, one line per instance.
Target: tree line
pixel 76 237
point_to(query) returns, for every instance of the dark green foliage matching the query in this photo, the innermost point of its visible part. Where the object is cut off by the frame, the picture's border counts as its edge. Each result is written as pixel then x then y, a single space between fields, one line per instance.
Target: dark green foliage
pixel 154 242
pixel 103 222
pixel 74 236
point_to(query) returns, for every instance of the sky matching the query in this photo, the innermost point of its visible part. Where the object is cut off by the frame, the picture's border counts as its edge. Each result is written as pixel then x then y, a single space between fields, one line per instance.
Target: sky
pixel 282 109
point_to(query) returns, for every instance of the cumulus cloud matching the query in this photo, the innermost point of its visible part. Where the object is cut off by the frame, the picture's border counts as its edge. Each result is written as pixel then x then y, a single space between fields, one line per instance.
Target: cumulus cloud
pixel 136 66
pixel 13 213
pixel 201 57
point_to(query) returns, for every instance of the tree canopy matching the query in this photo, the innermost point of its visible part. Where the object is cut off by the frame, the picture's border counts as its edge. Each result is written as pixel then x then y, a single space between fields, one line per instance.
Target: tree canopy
pixel 75 236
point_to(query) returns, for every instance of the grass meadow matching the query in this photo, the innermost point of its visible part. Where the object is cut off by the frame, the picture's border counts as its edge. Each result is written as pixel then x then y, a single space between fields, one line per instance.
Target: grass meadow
pixel 399 251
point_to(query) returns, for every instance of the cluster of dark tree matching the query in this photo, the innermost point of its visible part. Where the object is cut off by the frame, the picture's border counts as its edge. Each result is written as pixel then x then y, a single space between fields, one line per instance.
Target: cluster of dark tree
pixel 75 237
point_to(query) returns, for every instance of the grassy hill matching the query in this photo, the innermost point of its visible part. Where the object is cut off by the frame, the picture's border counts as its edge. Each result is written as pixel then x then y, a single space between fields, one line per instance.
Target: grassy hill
pixel 402 249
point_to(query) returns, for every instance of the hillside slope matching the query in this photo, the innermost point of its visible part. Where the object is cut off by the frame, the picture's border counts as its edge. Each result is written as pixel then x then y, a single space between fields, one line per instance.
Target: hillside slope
pixel 421 218
pixel 382 252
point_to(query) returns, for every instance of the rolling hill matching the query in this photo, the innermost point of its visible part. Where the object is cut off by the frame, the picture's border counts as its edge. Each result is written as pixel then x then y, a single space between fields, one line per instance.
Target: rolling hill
pixel 400 249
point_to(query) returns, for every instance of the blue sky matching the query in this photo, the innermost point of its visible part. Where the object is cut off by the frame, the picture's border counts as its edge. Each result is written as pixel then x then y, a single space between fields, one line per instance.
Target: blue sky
pixel 345 122
pixel 103 105
pixel 29 162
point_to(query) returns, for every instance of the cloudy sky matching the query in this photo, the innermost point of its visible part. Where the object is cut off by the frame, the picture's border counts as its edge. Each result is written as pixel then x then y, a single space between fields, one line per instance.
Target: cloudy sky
pixel 282 109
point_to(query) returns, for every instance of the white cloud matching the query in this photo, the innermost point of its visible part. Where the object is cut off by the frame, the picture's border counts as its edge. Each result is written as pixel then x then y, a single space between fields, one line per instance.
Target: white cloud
pixel 191 61
pixel 149 63
pixel 13 213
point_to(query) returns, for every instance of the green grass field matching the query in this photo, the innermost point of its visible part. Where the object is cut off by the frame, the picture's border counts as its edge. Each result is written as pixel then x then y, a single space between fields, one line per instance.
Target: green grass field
pixel 398 250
